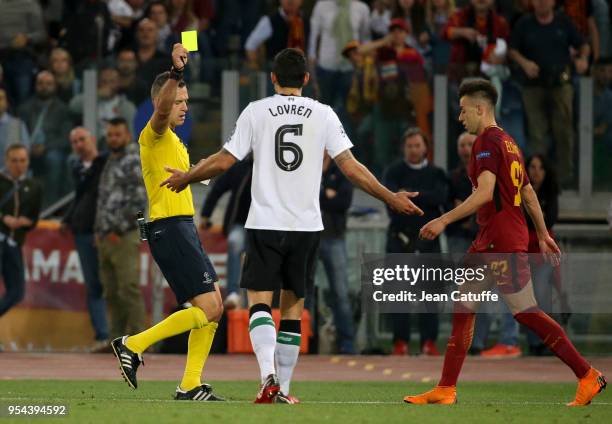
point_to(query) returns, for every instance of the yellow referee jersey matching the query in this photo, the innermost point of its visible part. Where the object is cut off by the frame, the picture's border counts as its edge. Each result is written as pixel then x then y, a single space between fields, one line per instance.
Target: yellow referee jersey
pixel 157 151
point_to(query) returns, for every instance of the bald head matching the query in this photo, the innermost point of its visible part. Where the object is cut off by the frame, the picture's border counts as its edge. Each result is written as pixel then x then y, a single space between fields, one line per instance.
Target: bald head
pixel 464 147
pixel 83 144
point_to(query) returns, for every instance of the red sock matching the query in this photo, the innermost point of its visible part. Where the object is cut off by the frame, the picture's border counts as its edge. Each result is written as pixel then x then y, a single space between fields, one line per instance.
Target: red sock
pixel 553 336
pixel 458 344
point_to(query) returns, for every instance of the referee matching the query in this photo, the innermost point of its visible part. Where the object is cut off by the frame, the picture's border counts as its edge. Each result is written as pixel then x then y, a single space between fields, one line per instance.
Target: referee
pixel 174 242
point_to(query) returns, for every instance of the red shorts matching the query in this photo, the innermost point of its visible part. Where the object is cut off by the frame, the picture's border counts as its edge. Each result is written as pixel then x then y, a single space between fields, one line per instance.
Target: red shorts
pixel 510 272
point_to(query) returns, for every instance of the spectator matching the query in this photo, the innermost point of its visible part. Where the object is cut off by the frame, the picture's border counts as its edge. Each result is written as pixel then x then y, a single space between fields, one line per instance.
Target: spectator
pixel 60 65
pixel 361 100
pixel 380 18
pixel 601 13
pixel 80 218
pixel 413 14
pixel 12 129
pixel 234 18
pixel 471 30
pixel 21 28
pixel 540 44
pixel 121 196
pixel 335 198
pixel 332 25
pixel 602 125
pixel 237 180
pixel 437 15
pixel 284 28
pixel 157 11
pixel 205 10
pixel 48 121
pixel 414 173
pixel 133 88
pixel 20 200
pixel 544 182
pixel 181 16
pixel 111 104
pixel 151 60
pixel 461 233
pixel 86 33
pixel 403 93
pixel 124 13
pixel 581 14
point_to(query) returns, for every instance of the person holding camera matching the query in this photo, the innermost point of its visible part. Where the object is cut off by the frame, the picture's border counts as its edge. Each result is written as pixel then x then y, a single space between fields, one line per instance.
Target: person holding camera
pixel 546 45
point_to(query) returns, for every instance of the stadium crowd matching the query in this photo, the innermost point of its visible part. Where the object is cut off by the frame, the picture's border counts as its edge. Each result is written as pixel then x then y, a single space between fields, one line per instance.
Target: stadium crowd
pixel 373 62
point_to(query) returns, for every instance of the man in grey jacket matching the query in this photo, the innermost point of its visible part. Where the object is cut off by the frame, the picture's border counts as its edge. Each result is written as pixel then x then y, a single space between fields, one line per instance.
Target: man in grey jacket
pixel 121 195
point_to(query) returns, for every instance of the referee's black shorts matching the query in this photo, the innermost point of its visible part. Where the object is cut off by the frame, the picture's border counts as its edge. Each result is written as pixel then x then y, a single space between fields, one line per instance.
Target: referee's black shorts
pixel 177 249
pixel 280 260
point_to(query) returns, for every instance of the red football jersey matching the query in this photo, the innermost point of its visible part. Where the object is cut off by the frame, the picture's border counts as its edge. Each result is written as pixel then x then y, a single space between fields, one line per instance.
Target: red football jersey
pixel 503 228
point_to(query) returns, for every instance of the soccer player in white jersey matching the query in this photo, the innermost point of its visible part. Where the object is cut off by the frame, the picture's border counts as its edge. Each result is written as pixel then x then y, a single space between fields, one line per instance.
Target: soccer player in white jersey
pixel 288 135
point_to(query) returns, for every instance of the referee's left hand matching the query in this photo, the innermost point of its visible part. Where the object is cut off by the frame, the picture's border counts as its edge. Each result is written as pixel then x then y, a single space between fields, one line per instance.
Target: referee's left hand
pixel 175 182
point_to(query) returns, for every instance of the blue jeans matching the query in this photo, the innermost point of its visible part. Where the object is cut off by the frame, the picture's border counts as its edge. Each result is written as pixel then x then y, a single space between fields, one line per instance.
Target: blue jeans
pixel 542 286
pixel 332 252
pixel 52 168
pixel 13 275
pixel 512 114
pixel 334 87
pixel 236 245
pixel 508 332
pixel 18 75
pixel 88 256
pixel 458 244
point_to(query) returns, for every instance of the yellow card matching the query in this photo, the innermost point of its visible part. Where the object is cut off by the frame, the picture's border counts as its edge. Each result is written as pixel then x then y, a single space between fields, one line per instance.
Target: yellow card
pixel 189 40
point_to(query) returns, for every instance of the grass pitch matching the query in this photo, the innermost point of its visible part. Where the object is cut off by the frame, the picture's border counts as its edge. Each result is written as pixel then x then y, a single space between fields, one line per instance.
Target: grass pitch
pixel 323 402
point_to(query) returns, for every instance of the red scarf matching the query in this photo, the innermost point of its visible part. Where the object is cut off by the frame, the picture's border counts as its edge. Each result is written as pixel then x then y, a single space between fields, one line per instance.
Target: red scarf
pixel 296 38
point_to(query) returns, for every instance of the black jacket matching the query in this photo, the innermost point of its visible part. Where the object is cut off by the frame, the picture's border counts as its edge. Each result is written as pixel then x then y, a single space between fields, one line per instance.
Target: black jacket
pixel 460 189
pixel 25 201
pixel 432 185
pixel 334 210
pixel 81 215
pixel 237 180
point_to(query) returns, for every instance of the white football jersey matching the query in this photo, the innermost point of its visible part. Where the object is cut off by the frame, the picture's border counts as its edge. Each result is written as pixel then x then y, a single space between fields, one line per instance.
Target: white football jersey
pixel 288 136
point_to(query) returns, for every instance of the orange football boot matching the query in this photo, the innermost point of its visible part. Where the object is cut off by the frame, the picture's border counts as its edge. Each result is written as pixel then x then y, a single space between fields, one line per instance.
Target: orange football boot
pixel 588 386
pixel 440 395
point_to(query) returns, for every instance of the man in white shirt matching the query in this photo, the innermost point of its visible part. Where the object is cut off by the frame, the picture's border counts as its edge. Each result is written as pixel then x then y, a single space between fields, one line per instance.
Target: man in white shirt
pixel 288 135
pixel 333 24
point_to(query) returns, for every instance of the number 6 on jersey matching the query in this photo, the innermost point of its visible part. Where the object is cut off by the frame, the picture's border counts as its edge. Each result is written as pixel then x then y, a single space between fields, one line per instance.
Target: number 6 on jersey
pixel 281 146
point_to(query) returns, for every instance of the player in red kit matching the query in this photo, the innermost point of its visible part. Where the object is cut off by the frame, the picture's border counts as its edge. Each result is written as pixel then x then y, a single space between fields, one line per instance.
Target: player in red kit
pixel 501 189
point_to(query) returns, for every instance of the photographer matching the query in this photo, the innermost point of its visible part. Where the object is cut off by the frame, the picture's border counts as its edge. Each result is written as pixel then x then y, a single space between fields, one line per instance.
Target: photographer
pixel 20 199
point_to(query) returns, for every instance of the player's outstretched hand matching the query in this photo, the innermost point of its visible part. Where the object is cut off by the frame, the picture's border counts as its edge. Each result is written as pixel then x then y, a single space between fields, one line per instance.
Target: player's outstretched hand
pixel 180 56
pixel 175 182
pixel 432 229
pixel 401 203
pixel 550 250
